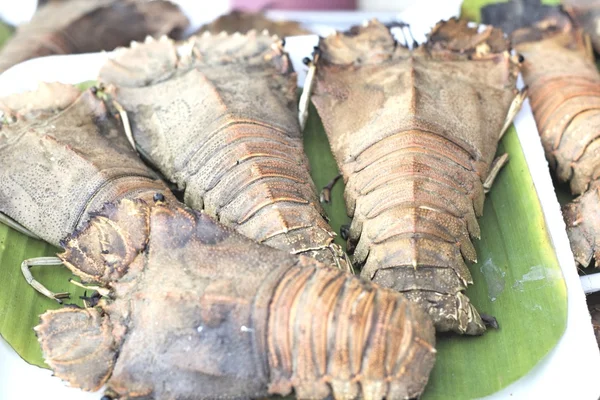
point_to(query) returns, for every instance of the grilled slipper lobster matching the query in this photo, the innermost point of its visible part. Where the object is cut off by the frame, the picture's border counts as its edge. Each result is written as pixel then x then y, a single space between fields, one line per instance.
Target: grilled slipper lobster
pixel 414 133
pixel 218 116
pixel 564 91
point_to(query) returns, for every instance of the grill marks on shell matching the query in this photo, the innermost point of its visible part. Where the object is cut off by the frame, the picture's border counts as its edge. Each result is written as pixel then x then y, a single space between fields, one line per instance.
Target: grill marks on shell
pixel 364 350
pixel 231 140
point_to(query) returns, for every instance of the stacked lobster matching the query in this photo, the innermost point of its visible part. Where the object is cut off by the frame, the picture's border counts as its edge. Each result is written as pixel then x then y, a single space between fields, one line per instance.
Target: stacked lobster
pixel 240 291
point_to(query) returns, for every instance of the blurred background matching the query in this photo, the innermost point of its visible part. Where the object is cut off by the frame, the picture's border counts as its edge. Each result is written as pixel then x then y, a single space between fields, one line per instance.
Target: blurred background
pixel 15 12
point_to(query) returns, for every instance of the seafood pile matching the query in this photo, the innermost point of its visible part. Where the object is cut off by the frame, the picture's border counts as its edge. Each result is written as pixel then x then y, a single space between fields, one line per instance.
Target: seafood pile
pixel 174 282
pixel 235 289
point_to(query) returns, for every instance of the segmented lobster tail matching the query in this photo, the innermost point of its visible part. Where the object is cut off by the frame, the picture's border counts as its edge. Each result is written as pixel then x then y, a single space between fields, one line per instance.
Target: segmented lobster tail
pixel 333 334
pixel 414 156
pixel 218 116
pixel 564 93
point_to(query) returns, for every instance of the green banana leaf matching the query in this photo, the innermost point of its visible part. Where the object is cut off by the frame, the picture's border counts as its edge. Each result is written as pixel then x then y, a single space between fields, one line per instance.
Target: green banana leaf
pixel 471 8
pixel 20 305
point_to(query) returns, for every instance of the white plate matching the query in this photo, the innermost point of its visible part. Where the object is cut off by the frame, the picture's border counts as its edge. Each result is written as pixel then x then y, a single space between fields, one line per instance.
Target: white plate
pixel 568 371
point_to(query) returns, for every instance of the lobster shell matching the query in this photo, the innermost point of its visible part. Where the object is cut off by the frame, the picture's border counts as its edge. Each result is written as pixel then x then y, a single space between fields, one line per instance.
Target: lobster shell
pixel 564 93
pixel 414 133
pixel 63 159
pixel 587 15
pixel 87 26
pixel 217 115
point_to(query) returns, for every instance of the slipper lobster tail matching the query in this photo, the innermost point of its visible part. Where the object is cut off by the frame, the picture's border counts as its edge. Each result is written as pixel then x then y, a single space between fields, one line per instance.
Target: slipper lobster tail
pixel 331 333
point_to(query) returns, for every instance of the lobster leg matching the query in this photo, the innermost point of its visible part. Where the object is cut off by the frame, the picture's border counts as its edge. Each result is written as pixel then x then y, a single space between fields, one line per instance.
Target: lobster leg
pixel 125 122
pixel 489 320
pixel 102 291
pixel 42 261
pixel 514 109
pixel 497 165
pixel 325 196
pixel 501 161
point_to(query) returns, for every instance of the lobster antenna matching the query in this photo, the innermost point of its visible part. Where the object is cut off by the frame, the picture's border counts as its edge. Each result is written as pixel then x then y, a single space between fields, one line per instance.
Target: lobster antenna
pixel 307 90
pixel 42 261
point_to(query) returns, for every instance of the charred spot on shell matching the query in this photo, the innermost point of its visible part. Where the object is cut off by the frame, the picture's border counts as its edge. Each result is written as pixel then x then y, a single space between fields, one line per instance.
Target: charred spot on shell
pixel 105 247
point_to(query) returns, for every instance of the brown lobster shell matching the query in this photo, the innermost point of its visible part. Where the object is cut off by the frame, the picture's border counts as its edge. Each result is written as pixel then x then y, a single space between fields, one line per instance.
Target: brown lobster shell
pixel 243 22
pixel 62 158
pixel 218 116
pixel 564 93
pixel 414 133
pixel 587 15
pixel 193 310
pixel 87 26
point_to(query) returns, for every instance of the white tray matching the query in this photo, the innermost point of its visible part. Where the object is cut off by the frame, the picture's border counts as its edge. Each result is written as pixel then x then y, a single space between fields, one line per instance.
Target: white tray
pixel 568 371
